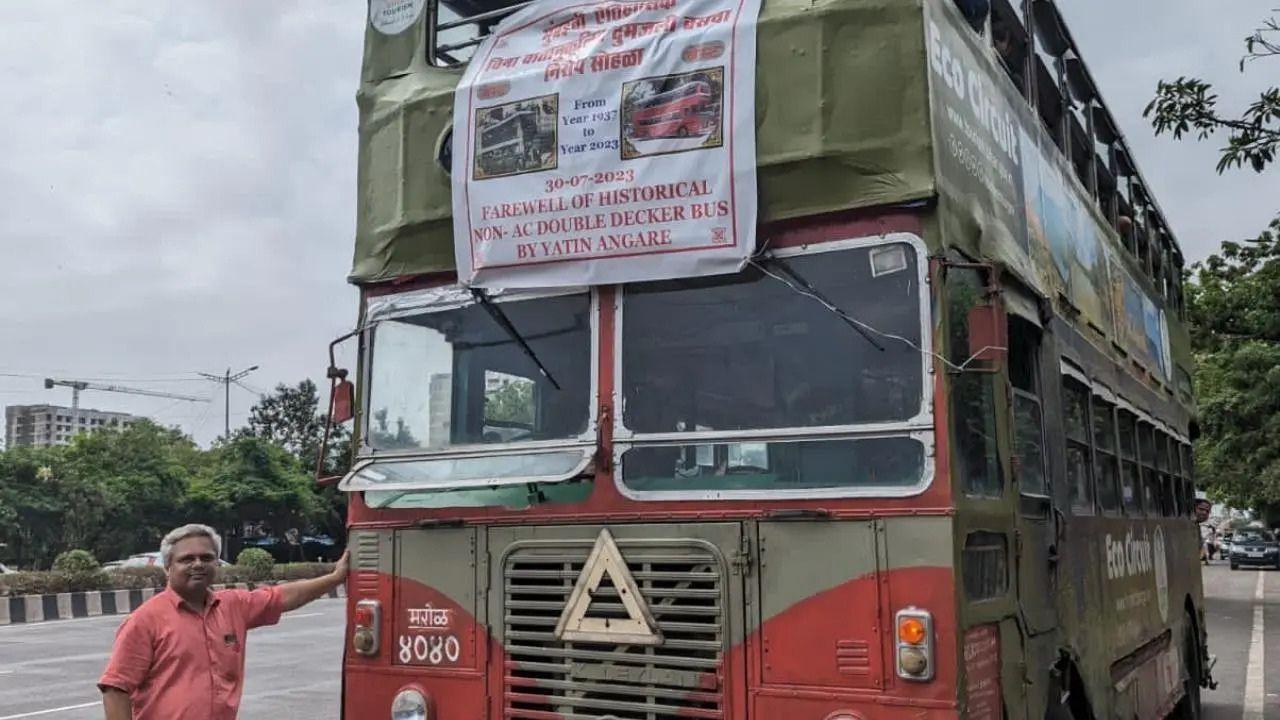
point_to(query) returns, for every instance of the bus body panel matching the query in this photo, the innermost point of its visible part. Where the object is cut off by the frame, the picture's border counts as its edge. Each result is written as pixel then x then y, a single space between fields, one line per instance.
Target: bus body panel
pixel 802 606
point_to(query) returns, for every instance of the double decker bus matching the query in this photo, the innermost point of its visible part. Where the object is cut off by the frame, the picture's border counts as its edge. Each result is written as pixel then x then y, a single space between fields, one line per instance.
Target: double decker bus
pixel 684 111
pixel 516 140
pixel 926 456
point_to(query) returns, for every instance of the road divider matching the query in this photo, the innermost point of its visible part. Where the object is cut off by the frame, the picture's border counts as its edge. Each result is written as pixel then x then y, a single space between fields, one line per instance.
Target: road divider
pixel 25 609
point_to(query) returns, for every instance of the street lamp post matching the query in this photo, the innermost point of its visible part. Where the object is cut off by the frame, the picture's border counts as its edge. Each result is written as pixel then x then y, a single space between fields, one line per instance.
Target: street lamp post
pixel 226 379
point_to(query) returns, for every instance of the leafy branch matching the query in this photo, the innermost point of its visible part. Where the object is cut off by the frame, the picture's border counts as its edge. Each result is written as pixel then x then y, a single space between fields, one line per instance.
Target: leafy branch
pixel 1189 105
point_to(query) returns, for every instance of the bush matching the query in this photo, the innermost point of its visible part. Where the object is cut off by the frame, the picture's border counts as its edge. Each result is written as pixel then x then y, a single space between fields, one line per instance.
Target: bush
pixel 77 570
pixel 76 562
pixel 136 578
pixel 48 583
pixel 300 571
pixel 256 563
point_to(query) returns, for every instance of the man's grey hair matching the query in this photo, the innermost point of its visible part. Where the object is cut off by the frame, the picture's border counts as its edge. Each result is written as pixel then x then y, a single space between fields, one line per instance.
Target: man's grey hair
pixel 188 531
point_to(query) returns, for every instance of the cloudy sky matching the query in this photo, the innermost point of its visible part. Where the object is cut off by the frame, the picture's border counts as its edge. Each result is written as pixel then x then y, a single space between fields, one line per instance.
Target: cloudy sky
pixel 177 191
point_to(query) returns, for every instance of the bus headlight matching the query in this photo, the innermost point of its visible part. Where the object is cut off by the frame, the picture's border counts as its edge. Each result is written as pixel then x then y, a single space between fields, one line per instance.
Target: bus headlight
pixel 409 705
pixel 914 644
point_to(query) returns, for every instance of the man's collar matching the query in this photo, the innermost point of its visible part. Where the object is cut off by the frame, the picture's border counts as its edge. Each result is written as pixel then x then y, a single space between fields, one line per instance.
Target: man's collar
pixel 178 603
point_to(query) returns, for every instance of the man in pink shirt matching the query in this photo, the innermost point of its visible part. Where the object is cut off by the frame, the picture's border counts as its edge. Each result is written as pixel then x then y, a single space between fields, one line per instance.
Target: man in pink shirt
pixel 180 656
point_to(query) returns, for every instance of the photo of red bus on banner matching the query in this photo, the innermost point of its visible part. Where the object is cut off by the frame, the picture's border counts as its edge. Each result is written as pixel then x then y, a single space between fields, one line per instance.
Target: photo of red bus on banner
pixel 684 110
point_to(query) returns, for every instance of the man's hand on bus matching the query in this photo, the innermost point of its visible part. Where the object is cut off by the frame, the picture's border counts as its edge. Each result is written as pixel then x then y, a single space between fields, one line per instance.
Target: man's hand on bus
pixel 299 593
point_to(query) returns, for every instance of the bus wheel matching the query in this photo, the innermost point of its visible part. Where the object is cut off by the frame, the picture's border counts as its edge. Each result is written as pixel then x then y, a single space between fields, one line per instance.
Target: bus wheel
pixel 682 131
pixel 1188 707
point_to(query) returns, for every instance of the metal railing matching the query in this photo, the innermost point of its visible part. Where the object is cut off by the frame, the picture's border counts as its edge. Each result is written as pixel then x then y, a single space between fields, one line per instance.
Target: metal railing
pixel 445 54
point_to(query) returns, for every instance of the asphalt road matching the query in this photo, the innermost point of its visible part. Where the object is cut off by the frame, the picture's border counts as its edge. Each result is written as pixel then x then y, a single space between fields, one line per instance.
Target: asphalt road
pixel 1246 690
pixel 48 670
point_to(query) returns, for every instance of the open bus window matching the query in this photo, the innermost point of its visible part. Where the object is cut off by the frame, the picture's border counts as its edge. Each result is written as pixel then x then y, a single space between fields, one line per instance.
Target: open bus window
pixel 1150 478
pixel 1181 504
pixel 1075 405
pixel 1009 38
pixel 460 25
pixel 1188 475
pixel 1164 481
pixel 808 465
pixel 748 351
pixel 1029 443
pixel 973 414
pixel 1130 483
pixel 456 377
pixel 1104 447
pixel 1028 416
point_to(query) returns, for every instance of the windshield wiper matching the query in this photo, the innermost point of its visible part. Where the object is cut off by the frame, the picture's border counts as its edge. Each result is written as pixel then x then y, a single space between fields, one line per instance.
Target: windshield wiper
pixel 822 299
pixel 501 318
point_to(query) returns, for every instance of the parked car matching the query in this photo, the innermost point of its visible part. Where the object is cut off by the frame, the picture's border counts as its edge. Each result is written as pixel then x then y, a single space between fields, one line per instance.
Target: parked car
pixel 148 559
pixel 4 570
pixel 1254 546
pixel 304 548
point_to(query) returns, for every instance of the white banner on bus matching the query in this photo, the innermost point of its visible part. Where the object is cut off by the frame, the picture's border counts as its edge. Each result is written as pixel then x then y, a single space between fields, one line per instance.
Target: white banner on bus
pixel 605 142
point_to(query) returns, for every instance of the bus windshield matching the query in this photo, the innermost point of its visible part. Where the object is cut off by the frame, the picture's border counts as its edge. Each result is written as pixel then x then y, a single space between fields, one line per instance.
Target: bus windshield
pixel 749 352
pixel 455 377
pixel 715 370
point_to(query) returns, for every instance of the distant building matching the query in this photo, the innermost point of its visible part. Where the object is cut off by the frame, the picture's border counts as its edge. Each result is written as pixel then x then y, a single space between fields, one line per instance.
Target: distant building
pixel 47 425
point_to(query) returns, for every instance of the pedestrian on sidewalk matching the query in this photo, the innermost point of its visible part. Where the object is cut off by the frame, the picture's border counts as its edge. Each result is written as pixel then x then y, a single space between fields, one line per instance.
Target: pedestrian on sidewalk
pixel 181 654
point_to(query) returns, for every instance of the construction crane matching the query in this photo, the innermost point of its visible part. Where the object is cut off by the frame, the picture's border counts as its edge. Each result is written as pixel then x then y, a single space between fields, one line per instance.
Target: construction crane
pixel 78 385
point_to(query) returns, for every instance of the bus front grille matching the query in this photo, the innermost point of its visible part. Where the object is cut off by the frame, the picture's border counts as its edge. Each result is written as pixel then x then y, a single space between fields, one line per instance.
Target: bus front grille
pixel 682 677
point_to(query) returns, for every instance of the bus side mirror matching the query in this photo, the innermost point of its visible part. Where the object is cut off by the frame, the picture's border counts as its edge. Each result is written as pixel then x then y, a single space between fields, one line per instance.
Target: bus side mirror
pixel 988 335
pixel 342 402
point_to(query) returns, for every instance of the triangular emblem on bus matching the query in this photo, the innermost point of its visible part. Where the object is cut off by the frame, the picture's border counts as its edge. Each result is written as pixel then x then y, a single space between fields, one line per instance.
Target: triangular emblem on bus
pixel 577 624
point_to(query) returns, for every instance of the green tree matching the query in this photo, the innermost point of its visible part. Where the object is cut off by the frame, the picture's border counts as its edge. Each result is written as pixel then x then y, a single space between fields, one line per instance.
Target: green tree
pixel 290 417
pixel 34 504
pixel 253 479
pixel 1234 307
pixel 1233 301
pixel 384 438
pixel 1189 105
pixel 511 403
pixel 129 487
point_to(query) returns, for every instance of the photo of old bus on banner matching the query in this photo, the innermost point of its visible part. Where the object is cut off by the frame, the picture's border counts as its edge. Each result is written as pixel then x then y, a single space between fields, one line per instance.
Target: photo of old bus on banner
pixel 607 142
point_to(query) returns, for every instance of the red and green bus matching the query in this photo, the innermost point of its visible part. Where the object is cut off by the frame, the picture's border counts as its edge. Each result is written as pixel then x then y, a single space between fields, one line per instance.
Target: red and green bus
pixel 926 456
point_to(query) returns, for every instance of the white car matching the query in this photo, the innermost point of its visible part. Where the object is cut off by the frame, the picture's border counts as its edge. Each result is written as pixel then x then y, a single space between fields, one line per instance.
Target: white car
pixel 4 570
pixel 150 559
pixel 142 560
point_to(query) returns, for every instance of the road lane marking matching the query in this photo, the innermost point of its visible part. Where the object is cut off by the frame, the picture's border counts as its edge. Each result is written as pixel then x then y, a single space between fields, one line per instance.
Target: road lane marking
pixel 294 616
pixel 50 711
pixel 1254 694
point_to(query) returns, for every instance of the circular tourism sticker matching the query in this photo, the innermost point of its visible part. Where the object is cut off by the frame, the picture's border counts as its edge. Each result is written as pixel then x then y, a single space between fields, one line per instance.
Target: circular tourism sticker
pixel 394 16
pixel 1162 574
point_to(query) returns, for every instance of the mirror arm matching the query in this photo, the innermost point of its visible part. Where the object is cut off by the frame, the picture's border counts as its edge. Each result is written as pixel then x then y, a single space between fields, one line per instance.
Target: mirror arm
pixel 335 375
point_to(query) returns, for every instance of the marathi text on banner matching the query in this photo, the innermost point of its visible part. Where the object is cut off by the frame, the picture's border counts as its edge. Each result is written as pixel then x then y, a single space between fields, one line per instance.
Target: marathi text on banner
pixel 605 142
